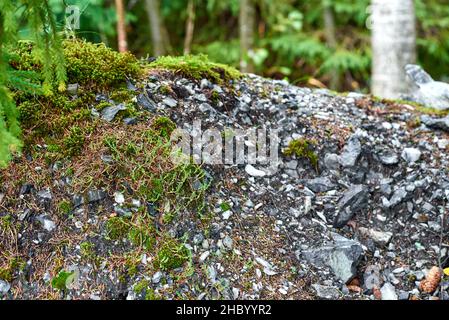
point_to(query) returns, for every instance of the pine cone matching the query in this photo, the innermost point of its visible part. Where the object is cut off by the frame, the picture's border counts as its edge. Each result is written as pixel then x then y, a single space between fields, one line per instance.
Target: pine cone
pixel 432 280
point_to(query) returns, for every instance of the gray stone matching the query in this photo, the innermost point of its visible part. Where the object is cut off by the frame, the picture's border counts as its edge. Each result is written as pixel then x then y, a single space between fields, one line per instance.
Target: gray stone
pixel 320 184
pixel 432 93
pixel 156 277
pixel 411 155
pixel 144 102
pixel 388 292
pixel 96 195
pixel 332 161
pixel 353 200
pixel 109 113
pixel 389 158
pixel 351 152
pixel 72 89
pixel 398 196
pixel 326 292
pixel 254 172
pixel 379 237
pixel 436 123
pixel 342 255
pixel 45 194
pixel 170 102
pixel 46 222
pixel 130 121
pixel 371 277
pixel 4 287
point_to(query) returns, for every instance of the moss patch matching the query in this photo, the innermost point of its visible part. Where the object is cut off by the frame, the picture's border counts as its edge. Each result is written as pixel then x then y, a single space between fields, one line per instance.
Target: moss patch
pixel 197 67
pixel 302 149
pixel 172 254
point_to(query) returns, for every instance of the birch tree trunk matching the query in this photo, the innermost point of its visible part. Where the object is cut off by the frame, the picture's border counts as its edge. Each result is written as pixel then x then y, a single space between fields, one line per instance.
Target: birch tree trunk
pixel 246 26
pixel 393 41
pixel 154 18
pixel 121 26
pixel 190 25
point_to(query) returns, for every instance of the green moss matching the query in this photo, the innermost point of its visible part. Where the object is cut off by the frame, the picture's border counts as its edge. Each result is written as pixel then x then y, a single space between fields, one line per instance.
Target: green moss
pixel 15 264
pixel 215 97
pixel 5 222
pixel 60 281
pixel 87 250
pixel 117 228
pixel 165 89
pixel 163 127
pixel 142 235
pixel 151 295
pixel 197 67
pixel 140 286
pixel 30 113
pixel 121 95
pixel 88 64
pixel 302 149
pixel 74 142
pixel 65 207
pixel 172 254
pixel 420 108
pixel 97 65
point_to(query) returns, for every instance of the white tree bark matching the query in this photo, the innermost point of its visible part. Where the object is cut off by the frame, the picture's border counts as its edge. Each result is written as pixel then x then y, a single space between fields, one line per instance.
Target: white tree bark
pixel 246 26
pixel 393 40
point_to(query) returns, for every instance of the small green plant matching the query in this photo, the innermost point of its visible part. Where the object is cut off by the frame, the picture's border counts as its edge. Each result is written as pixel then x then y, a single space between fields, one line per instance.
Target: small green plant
pixel 65 207
pixel 87 250
pixel 59 282
pixel 224 206
pixel 302 148
pixel 172 254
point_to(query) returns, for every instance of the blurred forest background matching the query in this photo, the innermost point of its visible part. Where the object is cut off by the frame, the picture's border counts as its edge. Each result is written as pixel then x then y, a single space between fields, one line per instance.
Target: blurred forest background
pixel 316 43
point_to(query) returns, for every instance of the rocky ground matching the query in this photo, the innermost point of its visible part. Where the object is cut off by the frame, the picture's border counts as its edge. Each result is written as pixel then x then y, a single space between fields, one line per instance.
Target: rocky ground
pixel 361 215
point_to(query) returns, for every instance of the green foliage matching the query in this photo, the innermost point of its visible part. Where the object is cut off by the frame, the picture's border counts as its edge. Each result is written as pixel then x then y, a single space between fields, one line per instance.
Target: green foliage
pixel 60 281
pixel 302 149
pixel 172 254
pixel 197 67
pixel 38 17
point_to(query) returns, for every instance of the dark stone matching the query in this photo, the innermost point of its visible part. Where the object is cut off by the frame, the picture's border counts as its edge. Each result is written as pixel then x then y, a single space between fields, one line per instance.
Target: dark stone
pixel 354 200
pixel 342 255
pixel 320 184
pixel 146 103
pixel 26 188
